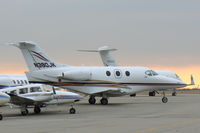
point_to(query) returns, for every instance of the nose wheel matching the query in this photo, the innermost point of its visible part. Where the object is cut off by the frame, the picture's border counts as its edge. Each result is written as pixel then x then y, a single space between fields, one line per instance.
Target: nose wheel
pixel 164 99
pixel 72 111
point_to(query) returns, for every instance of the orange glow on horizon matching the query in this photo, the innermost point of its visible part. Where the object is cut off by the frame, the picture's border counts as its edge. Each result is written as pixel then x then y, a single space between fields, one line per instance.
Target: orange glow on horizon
pixel 184 73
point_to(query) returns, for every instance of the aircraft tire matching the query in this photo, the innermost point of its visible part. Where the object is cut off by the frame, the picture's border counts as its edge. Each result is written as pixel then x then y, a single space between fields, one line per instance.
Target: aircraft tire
pixel 174 94
pixel 92 100
pixel 164 99
pixel 104 101
pixel 72 111
pixel 153 93
pixel 1 117
pixel 133 95
pixel 24 113
pixel 37 110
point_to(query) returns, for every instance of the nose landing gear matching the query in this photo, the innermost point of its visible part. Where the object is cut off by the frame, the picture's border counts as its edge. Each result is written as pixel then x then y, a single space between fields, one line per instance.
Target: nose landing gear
pixel 164 99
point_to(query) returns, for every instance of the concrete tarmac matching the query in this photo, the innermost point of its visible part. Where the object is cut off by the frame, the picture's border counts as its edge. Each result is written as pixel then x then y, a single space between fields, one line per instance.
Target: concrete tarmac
pixel 141 114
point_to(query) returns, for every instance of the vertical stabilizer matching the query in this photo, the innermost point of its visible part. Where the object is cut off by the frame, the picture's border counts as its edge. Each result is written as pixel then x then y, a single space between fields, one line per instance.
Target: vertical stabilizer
pixel 35 57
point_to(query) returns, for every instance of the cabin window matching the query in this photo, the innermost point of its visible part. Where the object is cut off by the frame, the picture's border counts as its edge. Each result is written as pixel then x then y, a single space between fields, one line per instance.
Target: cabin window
pixel 18 82
pixel 118 74
pixel 35 89
pixel 22 82
pixel 23 91
pixel 14 82
pixel 127 73
pixel 108 73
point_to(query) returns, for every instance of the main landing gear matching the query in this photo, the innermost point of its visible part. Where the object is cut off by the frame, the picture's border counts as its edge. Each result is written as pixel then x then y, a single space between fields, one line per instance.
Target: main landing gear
pixel 153 93
pixel 104 101
pixel 1 117
pixel 92 100
pixel 164 99
pixel 24 112
pixel 133 95
pixel 37 109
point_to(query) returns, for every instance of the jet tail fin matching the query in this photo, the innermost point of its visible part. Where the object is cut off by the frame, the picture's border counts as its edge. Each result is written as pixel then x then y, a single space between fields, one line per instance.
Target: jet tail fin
pixel 35 57
pixel 192 80
pixel 106 56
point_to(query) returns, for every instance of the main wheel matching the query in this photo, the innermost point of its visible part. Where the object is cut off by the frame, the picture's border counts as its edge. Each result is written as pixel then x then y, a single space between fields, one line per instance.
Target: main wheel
pixel 92 100
pixel 104 101
pixel 164 100
pixel 133 95
pixel 153 93
pixel 37 110
pixel 174 94
pixel 24 113
pixel 72 111
pixel 1 117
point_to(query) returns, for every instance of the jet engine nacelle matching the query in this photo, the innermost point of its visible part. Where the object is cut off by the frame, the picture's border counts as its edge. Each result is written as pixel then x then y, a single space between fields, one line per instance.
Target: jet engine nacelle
pixel 77 75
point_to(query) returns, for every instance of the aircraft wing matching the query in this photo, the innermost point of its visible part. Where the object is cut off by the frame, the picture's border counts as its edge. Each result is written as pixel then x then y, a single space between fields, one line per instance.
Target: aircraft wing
pixel 19 100
pixel 111 92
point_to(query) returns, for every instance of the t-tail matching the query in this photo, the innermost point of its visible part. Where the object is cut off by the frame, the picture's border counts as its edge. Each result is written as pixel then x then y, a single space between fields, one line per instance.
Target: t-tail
pixel 106 55
pixel 35 57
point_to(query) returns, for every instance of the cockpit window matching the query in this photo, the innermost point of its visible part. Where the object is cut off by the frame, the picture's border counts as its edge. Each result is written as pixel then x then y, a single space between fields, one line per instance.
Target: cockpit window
pixel 148 73
pixel 35 89
pixel 151 73
pixel 177 76
pixel 154 73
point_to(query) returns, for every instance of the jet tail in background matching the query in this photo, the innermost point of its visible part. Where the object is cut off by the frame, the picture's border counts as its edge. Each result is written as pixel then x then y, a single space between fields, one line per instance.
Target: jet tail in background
pixel 35 57
pixel 106 56
pixel 192 80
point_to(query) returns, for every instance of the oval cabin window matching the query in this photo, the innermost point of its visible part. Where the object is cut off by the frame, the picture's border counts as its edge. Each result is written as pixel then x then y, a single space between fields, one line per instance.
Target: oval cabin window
pixel 108 73
pixel 127 73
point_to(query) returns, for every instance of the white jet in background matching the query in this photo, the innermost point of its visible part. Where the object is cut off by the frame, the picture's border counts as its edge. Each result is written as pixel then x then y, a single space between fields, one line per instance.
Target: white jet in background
pixel 12 80
pixel 37 96
pixel 102 82
pixel 108 60
pixel 4 98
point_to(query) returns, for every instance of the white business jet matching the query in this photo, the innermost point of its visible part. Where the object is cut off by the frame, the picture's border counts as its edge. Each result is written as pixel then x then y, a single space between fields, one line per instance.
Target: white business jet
pixel 104 82
pixel 108 60
pixel 38 96
pixel 4 98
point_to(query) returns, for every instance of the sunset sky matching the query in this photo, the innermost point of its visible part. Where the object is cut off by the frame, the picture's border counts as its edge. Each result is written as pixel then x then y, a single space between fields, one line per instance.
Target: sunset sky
pixel 153 33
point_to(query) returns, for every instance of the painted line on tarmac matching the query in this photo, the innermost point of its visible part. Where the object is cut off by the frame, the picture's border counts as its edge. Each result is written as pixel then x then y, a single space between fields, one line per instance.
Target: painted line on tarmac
pixel 181 123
